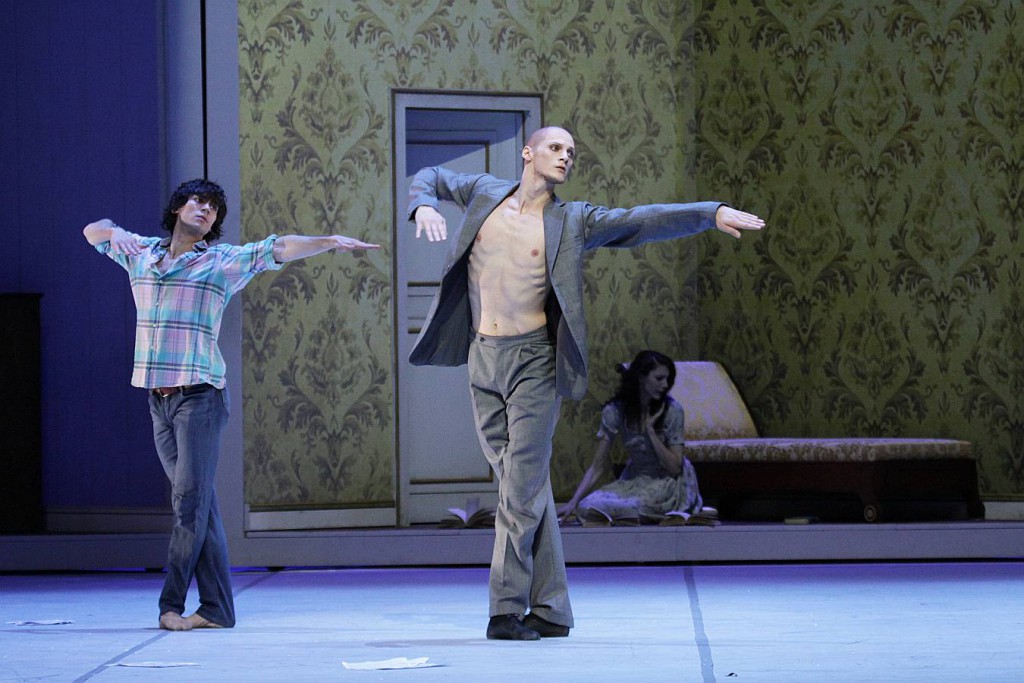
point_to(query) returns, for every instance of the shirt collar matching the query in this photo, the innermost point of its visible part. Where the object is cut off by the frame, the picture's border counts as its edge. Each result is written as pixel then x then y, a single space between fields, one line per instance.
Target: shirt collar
pixel 199 246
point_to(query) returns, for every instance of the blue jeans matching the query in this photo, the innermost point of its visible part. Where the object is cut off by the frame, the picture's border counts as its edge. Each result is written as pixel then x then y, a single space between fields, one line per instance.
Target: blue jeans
pixel 187 428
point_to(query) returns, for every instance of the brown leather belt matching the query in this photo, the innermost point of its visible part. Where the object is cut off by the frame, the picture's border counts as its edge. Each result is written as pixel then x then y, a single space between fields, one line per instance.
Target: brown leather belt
pixel 164 392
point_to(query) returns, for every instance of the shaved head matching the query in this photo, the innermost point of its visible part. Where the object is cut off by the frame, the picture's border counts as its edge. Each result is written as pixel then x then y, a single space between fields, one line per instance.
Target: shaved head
pixel 541 134
pixel 549 155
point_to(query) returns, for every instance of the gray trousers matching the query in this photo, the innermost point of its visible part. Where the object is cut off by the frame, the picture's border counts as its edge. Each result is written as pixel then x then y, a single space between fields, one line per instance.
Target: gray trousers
pixel 512 381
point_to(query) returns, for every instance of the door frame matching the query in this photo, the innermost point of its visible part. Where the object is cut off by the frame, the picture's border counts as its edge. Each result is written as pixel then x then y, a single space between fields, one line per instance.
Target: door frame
pixel 531 106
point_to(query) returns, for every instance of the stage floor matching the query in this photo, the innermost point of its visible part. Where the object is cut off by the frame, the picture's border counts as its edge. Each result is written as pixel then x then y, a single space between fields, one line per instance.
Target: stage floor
pixel 913 621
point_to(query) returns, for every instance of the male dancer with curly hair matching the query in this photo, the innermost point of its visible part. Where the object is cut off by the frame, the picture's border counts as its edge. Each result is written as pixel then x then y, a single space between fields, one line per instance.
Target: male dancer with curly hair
pixel 181 284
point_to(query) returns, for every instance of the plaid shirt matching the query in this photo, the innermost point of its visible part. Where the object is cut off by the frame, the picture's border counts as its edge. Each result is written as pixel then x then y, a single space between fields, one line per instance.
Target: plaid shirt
pixel 180 311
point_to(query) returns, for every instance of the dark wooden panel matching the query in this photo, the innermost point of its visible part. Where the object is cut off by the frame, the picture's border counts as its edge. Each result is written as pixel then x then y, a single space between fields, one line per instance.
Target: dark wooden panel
pixel 873 483
pixel 21 452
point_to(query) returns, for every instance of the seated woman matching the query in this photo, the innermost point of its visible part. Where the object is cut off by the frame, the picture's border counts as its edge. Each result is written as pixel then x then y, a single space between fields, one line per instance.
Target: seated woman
pixel 658 478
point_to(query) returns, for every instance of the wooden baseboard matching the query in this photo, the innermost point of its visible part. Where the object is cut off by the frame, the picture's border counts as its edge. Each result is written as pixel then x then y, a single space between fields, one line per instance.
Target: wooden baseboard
pixel 108 520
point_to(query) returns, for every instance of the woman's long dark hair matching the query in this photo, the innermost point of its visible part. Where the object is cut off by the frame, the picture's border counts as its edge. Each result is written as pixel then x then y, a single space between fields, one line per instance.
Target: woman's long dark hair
pixel 628 394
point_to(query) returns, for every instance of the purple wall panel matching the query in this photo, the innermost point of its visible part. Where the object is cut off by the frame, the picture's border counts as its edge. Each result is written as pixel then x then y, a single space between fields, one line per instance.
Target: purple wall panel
pixel 83 139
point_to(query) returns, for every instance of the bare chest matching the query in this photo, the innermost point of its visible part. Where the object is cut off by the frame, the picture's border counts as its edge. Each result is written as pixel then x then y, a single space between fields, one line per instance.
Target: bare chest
pixel 508 239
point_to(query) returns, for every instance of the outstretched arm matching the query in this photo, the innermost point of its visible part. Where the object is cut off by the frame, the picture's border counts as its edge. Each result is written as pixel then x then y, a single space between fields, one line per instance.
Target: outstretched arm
pixel 593 476
pixel 106 230
pixel 294 247
pixel 731 221
pixel 628 228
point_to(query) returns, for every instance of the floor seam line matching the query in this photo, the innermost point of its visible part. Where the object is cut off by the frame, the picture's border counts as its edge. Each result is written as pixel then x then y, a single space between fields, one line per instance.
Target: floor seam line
pixel 707 662
pixel 114 660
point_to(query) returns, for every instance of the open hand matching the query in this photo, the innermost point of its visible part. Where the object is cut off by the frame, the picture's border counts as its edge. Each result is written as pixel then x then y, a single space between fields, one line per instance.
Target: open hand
pixel 346 244
pixel 124 242
pixel 731 221
pixel 565 510
pixel 649 419
pixel 430 221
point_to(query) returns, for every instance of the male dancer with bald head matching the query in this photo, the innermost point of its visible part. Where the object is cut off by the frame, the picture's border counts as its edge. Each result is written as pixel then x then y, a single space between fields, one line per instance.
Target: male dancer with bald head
pixel 511 305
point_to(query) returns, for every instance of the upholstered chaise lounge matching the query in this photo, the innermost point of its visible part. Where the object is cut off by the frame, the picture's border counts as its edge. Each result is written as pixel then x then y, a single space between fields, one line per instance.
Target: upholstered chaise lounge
pixel 733 461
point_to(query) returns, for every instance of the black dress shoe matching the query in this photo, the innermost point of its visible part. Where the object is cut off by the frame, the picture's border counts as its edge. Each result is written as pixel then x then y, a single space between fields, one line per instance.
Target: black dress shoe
pixel 544 627
pixel 509 627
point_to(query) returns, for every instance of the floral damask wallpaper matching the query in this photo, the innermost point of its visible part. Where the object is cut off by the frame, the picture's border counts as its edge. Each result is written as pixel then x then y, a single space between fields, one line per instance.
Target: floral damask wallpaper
pixel 881 140
pixel 884 142
pixel 316 79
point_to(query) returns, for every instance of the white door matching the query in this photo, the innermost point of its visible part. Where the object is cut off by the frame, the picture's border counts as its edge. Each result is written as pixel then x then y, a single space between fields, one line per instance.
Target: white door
pixel 440 463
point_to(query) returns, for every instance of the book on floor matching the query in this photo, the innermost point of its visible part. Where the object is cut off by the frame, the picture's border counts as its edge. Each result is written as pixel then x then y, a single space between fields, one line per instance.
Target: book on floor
pixel 596 517
pixel 706 516
pixel 474 516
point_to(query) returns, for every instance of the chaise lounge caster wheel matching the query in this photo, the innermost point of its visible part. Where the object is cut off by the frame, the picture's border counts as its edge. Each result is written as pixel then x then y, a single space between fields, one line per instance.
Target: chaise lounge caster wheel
pixel 872 513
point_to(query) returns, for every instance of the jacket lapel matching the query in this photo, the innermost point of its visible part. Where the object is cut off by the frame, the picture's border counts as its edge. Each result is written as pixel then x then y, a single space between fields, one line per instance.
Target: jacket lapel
pixel 554 219
pixel 474 219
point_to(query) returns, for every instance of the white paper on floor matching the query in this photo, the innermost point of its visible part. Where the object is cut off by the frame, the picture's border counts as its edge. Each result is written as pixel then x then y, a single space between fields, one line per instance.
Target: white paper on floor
pixel 41 622
pixel 155 665
pixel 394 663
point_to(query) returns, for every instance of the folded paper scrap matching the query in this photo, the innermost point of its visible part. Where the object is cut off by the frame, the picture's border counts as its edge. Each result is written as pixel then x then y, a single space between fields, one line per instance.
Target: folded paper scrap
pixel 395 663
pixel 154 665
pixel 41 622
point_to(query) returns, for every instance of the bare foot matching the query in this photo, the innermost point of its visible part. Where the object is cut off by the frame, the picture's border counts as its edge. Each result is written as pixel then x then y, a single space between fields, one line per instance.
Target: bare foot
pixel 196 621
pixel 169 621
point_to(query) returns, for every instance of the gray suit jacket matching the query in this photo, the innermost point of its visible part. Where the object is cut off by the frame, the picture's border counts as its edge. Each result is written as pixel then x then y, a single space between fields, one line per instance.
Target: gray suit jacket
pixel 570 228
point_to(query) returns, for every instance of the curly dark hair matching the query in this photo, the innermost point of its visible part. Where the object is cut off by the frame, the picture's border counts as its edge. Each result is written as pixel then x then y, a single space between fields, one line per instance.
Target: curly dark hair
pixel 633 375
pixel 206 190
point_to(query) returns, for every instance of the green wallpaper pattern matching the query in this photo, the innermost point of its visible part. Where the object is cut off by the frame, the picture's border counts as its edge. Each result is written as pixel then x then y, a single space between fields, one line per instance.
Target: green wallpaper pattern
pixel 315 147
pixel 881 140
